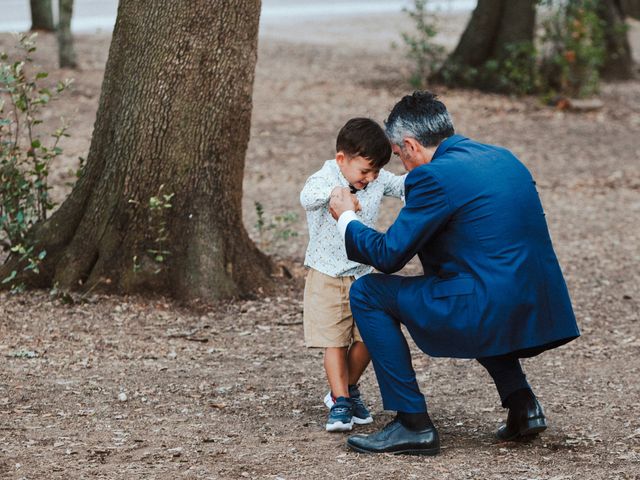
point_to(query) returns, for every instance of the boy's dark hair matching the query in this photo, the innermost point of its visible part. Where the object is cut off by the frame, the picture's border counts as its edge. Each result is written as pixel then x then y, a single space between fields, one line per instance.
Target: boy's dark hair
pixel 364 137
pixel 421 116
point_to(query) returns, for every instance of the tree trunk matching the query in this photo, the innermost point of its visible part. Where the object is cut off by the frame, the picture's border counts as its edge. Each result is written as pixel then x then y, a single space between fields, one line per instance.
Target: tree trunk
pixel 631 8
pixel 66 52
pixel 495 26
pixel 517 25
pixel 173 119
pixel 478 39
pixel 42 15
pixel 618 64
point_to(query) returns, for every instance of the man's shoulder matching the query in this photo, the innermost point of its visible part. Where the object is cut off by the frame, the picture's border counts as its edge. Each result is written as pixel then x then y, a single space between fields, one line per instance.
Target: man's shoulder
pixel 421 173
pixel 469 146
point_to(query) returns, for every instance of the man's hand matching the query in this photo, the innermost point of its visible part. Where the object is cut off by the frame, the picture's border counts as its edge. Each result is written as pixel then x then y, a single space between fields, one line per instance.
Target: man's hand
pixel 341 201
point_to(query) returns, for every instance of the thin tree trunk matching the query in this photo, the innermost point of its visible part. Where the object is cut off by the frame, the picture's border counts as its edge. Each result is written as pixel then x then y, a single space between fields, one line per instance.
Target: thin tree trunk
pixel 66 51
pixel 618 63
pixel 42 15
pixel 173 119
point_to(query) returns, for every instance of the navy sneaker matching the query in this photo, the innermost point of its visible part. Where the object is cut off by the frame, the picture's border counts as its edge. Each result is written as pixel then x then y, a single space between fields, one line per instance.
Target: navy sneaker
pixel 361 414
pixel 340 416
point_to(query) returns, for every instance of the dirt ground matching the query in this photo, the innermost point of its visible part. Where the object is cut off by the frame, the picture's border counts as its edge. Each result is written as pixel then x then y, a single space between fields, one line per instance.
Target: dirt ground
pixel 123 388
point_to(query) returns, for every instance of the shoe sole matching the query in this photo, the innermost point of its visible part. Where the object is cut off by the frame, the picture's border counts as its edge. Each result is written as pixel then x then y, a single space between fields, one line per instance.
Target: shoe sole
pixel 533 428
pixel 412 451
pixel 362 421
pixel 339 427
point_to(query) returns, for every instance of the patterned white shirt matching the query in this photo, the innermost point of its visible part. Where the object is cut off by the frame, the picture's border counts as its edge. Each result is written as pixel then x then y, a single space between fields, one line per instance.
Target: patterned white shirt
pixel 326 251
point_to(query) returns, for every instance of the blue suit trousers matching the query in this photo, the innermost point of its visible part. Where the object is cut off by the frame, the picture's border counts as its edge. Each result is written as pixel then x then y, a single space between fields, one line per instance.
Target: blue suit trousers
pixel 374 304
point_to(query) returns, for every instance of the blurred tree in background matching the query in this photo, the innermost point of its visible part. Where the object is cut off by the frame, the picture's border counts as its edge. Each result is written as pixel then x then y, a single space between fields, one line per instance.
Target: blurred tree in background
pixel 66 52
pixel 618 62
pixel 499 51
pixel 496 51
pixel 42 15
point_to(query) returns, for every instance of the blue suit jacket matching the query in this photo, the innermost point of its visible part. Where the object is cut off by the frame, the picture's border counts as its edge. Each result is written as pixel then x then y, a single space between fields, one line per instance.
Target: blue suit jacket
pixel 492 282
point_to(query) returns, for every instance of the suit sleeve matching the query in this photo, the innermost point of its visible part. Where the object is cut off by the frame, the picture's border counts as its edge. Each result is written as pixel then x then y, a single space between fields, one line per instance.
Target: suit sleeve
pixel 426 211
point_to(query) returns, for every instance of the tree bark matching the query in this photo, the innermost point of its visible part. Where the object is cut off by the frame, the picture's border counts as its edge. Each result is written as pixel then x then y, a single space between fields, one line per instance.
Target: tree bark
pixel 173 118
pixel 517 25
pixel 631 8
pixel 66 52
pixel 494 26
pixel 477 42
pixel 618 64
pixel 42 15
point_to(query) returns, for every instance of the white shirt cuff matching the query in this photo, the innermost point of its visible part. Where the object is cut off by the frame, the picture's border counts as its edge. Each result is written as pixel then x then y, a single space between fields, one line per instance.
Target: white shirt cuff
pixel 344 220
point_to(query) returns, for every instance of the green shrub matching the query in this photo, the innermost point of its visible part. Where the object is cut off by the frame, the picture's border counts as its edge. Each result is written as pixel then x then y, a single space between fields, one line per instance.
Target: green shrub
pixel 158 210
pixel 574 43
pixel 426 55
pixel 25 157
pixel 515 72
pixel 275 232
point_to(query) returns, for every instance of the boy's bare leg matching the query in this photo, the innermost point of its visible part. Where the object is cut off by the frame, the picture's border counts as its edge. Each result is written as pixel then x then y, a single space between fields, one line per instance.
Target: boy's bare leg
pixel 357 361
pixel 335 364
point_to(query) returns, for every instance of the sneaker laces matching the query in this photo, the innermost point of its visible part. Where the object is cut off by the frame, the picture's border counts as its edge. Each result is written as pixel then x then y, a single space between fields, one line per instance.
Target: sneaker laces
pixel 390 425
pixel 341 408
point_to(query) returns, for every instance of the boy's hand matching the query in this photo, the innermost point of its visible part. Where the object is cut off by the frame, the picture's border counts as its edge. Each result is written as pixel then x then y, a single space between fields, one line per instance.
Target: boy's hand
pixel 342 200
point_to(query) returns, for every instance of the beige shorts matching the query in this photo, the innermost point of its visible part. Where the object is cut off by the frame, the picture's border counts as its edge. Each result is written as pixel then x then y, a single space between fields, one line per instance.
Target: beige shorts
pixel 327 315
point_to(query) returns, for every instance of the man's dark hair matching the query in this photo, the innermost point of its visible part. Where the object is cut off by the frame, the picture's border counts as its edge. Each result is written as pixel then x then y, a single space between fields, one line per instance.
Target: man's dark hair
pixel 420 116
pixel 364 137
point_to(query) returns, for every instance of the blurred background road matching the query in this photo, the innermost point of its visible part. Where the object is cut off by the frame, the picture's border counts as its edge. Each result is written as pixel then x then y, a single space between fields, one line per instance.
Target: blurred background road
pixel 99 15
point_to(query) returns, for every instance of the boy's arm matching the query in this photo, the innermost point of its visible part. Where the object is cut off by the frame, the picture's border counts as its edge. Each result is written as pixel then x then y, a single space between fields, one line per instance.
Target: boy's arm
pixel 316 192
pixel 393 184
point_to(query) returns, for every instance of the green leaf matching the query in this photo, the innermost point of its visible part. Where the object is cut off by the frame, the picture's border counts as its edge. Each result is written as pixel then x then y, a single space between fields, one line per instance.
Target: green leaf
pixel 36 144
pixel 11 276
pixel 40 75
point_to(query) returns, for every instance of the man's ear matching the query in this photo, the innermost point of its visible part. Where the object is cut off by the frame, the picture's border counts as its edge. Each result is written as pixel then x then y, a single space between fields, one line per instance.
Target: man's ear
pixel 411 144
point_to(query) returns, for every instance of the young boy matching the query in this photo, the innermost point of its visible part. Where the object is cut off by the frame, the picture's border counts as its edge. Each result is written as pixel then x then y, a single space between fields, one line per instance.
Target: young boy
pixel 362 150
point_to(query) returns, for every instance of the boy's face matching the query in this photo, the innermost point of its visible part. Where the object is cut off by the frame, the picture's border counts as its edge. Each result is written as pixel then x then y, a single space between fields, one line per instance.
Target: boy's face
pixel 356 169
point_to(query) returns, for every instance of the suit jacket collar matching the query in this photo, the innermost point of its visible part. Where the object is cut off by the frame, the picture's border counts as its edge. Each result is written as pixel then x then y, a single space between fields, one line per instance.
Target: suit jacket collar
pixel 447 144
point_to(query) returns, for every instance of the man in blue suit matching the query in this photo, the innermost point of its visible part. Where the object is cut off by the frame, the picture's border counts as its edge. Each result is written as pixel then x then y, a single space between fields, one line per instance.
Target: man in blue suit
pixel 492 288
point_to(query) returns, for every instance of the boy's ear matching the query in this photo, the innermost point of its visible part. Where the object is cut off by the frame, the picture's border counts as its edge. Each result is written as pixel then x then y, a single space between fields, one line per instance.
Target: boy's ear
pixel 340 157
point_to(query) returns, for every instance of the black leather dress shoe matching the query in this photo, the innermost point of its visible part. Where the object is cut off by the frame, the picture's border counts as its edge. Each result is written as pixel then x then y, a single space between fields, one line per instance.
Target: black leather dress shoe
pixel 396 438
pixel 523 421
